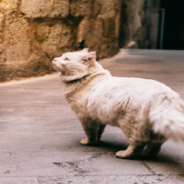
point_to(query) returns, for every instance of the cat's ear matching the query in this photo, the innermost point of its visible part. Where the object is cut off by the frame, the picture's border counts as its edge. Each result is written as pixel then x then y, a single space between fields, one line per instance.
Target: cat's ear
pixel 85 50
pixel 89 58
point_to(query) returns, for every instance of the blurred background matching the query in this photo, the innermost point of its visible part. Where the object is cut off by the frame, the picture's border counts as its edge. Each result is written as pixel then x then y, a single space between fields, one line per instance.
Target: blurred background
pixel 33 32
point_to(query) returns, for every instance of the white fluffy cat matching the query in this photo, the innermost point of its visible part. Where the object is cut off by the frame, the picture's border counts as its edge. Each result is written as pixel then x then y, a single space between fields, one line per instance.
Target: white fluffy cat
pixel 148 112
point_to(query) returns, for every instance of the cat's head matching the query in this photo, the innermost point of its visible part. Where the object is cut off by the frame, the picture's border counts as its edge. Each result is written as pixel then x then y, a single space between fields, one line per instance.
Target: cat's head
pixel 75 65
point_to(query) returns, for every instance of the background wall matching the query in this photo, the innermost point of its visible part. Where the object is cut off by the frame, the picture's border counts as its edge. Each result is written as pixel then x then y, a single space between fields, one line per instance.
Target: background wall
pixel 139 23
pixel 33 32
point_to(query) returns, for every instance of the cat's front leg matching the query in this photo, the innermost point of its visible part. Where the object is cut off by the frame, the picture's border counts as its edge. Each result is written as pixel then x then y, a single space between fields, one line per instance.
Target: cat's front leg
pixel 93 131
pixel 101 130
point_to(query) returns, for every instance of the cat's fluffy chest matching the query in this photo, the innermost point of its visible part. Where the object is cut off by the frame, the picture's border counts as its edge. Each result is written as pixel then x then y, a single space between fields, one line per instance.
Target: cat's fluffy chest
pixel 77 94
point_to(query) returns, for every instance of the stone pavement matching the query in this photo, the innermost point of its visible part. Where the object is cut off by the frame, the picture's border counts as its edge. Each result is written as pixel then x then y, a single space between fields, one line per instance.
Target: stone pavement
pixel 39 134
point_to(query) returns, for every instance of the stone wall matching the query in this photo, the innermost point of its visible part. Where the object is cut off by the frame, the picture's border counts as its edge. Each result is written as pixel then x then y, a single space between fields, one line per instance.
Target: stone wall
pixel 33 32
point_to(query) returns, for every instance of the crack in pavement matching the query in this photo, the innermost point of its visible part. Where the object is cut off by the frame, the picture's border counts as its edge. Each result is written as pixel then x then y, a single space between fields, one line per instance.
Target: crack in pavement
pixel 73 166
pixel 151 170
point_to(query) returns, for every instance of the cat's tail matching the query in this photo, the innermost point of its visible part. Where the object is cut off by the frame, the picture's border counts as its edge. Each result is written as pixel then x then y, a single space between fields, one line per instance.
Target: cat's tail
pixel 167 117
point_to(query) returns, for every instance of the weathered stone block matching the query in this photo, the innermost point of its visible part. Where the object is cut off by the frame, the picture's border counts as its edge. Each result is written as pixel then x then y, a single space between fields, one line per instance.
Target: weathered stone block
pixel 117 25
pixel 80 8
pixel 49 37
pixel 59 8
pixel 108 27
pixel 2 53
pixel 36 65
pixel 8 4
pixel 90 30
pixel 35 8
pixel 18 37
pixel 66 35
pixel 99 35
pixel 117 18
pixel 92 8
pixel 45 8
pixel 108 8
pixel 1 26
pixel 95 8
pixel 2 47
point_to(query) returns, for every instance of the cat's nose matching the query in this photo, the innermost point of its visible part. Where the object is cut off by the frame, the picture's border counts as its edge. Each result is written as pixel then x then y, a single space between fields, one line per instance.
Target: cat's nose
pixel 54 61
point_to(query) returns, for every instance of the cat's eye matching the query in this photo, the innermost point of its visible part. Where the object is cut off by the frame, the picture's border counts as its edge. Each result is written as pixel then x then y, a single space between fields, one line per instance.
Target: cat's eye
pixel 66 59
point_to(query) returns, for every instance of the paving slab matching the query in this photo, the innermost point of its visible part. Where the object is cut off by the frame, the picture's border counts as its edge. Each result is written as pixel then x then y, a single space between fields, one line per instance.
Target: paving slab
pixel 39 134
pixel 148 179
pixel 18 180
pixel 169 179
pixel 67 164
pixel 170 160
pixel 45 125
pixel 54 142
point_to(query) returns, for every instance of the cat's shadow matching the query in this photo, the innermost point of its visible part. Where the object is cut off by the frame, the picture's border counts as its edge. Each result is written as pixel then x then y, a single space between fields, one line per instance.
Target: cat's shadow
pixel 112 146
pixel 163 164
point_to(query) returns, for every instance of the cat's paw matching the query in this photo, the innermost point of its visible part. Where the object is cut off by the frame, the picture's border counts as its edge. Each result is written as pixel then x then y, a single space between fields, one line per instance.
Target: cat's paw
pixel 121 154
pixel 125 154
pixel 86 142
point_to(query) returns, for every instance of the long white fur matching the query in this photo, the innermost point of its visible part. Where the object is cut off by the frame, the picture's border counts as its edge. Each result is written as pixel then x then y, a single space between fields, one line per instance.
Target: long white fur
pixel 138 106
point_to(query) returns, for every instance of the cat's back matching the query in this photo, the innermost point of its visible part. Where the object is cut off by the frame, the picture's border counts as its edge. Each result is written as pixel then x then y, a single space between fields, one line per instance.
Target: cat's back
pixel 115 93
pixel 115 86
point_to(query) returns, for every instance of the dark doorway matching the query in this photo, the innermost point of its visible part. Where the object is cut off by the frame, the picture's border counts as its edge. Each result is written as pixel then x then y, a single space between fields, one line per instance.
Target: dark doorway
pixel 173 35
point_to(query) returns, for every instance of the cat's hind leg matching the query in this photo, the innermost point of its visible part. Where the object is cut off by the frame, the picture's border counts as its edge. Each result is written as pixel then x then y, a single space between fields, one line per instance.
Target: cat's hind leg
pixel 133 150
pixel 153 148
